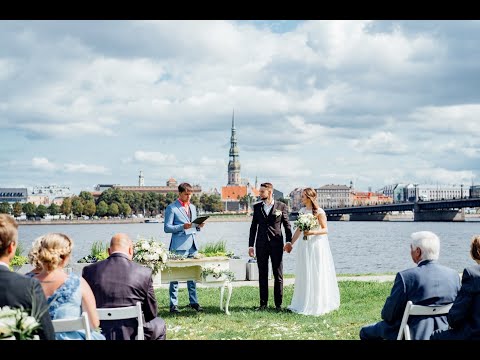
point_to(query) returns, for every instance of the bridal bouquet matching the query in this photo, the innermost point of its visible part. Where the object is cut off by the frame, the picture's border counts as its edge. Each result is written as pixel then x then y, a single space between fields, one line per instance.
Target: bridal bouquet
pixel 17 323
pixel 150 253
pixel 306 222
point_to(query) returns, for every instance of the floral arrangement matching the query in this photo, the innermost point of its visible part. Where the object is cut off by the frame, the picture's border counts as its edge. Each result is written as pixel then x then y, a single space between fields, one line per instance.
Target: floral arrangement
pixel 306 222
pixel 18 323
pixel 278 212
pixel 216 272
pixel 98 252
pixel 150 253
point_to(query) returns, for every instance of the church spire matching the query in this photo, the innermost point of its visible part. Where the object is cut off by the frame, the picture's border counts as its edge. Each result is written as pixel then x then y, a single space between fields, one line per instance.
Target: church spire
pixel 234 163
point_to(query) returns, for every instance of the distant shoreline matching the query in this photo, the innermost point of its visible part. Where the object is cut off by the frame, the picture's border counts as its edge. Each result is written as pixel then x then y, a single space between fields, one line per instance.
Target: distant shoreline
pixel 222 218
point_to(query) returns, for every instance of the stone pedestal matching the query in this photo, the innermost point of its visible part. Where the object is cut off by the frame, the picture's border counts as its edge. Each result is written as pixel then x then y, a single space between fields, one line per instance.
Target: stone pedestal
pixel 239 268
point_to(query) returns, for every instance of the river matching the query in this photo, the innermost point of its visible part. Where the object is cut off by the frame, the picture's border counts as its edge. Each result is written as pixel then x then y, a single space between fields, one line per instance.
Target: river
pixel 357 247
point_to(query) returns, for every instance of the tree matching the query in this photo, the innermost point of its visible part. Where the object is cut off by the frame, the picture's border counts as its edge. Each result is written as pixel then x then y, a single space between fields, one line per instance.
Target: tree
pixel 86 196
pixel 77 206
pixel 89 208
pixel 102 208
pixel 53 209
pixel 29 209
pixel 113 209
pixel 125 209
pixel 66 207
pixel 5 208
pixel 195 200
pixel 171 197
pixel 17 209
pixel 41 211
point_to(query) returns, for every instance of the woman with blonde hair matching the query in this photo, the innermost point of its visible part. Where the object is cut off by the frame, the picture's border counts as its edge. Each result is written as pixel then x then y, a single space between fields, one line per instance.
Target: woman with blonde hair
pixel 67 294
pixel 316 289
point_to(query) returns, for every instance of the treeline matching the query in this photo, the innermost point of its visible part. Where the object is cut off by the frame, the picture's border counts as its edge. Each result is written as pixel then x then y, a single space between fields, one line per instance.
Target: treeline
pixel 112 202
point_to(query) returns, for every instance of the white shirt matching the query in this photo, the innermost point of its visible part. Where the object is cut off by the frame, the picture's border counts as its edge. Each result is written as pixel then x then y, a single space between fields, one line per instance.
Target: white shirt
pixel 267 207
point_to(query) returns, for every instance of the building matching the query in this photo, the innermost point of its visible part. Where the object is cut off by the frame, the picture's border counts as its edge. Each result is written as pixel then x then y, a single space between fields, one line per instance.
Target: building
pixel 475 191
pixel 361 198
pixel 44 195
pixel 334 196
pixel 13 195
pixel 296 199
pixel 236 187
pixel 430 192
pixel 102 187
pixel 398 192
pixel 171 186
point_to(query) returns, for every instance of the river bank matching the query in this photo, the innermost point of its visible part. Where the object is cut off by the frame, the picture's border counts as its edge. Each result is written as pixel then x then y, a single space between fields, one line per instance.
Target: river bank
pixel 221 218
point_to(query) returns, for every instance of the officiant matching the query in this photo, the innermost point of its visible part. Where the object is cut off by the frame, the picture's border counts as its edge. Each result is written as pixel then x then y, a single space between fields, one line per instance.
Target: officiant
pixel 179 216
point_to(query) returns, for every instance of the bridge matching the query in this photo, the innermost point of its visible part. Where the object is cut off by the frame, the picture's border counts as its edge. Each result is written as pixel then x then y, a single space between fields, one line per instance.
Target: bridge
pixel 438 210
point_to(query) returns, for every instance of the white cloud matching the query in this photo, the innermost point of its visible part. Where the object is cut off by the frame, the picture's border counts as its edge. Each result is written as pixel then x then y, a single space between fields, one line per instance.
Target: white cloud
pixel 155 158
pixel 381 143
pixel 42 163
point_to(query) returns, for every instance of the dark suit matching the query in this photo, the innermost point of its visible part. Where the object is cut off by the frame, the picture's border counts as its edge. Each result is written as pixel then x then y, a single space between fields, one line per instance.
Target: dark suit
pixel 118 281
pixel 429 283
pixel 464 316
pixel 266 235
pixel 18 291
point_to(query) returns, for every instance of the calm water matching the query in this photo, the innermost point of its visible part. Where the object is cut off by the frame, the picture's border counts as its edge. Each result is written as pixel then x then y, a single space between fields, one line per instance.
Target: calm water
pixel 357 247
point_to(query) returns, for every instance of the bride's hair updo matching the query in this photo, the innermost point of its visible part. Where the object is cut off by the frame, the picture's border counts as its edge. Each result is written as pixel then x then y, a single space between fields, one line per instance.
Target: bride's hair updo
pixel 312 195
pixel 53 248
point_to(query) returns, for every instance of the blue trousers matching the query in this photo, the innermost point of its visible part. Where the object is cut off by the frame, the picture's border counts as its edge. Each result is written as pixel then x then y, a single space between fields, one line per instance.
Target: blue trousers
pixel 191 285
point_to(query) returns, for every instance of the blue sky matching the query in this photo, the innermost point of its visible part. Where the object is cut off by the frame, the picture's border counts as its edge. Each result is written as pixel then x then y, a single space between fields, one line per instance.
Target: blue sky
pixel 316 102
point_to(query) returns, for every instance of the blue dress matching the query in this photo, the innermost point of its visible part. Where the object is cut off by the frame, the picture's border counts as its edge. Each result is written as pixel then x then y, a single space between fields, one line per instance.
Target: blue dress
pixel 66 302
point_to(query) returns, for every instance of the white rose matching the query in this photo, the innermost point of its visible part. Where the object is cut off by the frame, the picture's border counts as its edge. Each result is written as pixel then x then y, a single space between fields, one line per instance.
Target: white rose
pixel 28 323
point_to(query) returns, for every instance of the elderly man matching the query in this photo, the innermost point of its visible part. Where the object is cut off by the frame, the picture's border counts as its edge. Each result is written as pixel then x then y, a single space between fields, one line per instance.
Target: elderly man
pixel 117 282
pixel 429 283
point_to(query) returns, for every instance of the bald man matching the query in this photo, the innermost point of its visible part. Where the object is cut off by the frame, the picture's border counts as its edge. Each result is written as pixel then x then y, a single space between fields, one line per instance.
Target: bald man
pixel 118 281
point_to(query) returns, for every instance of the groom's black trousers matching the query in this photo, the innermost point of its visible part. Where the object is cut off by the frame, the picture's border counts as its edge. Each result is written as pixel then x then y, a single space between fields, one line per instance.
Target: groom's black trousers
pixel 274 252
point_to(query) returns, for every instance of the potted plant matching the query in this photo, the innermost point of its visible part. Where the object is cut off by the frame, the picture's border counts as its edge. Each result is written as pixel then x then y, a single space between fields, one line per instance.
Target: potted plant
pixel 98 252
pixel 237 265
pixel 19 260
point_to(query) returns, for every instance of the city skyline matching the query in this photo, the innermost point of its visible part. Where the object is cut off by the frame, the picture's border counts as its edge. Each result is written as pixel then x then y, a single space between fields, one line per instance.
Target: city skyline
pixel 316 102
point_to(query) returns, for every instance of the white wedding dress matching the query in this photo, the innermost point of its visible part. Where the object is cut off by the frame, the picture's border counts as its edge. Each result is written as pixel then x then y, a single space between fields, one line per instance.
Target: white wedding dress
pixel 316 289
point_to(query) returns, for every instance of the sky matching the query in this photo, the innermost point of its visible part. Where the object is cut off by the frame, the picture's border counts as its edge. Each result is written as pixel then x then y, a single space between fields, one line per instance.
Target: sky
pixel 316 102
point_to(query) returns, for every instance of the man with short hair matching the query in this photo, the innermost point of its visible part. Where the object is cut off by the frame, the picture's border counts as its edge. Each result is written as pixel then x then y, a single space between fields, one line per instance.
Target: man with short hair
pixel 178 221
pixel 266 235
pixel 117 282
pixel 429 283
pixel 18 291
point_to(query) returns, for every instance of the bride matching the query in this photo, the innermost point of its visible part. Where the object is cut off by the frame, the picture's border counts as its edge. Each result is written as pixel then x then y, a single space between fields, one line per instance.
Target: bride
pixel 316 289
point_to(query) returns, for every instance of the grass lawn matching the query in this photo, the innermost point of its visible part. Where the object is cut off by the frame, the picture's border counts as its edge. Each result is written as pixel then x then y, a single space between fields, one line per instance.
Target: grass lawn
pixel 361 303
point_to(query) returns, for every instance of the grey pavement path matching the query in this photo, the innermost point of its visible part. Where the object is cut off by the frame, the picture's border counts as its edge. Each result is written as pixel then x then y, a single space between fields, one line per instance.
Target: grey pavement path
pixel 291 281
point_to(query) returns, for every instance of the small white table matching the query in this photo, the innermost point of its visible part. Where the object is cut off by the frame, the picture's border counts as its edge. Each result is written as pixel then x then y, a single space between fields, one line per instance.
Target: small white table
pixel 191 269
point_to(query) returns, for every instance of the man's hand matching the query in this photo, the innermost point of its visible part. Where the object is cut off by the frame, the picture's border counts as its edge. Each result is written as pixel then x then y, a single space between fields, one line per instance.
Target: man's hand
pixel 251 252
pixel 187 225
pixel 201 225
pixel 288 247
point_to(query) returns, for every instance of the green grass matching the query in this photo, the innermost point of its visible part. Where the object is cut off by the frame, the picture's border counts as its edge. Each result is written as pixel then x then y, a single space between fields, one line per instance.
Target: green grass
pixel 361 303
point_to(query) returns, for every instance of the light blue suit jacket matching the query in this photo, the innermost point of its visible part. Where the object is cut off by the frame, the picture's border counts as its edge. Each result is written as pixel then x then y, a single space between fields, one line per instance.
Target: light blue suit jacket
pixel 175 217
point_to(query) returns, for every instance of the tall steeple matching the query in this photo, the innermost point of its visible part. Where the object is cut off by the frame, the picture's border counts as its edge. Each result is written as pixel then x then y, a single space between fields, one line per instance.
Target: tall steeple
pixel 234 163
pixel 141 180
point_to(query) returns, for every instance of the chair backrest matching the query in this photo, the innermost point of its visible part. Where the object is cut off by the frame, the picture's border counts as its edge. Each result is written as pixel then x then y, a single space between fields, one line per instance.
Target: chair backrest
pixel 126 312
pixel 74 324
pixel 415 310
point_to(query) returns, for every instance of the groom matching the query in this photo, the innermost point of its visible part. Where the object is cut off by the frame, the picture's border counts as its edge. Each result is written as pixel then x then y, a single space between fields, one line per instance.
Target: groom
pixel 266 235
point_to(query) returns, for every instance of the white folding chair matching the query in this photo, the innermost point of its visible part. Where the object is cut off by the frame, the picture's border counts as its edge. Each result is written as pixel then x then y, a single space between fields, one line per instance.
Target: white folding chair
pixel 126 312
pixel 415 310
pixel 74 324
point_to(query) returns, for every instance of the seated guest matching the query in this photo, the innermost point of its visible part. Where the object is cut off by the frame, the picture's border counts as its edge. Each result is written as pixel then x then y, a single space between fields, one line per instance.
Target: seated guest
pixel 67 294
pixel 33 258
pixel 18 291
pixel 117 282
pixel 464 316
pixel 429 283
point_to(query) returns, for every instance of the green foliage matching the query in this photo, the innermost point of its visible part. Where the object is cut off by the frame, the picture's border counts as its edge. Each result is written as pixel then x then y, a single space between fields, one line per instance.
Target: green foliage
pixel 5 208
pixel 17 209
pixel 18 259
pixel 98 252
pixel 218 248
pixel 53 209
pixel 41 211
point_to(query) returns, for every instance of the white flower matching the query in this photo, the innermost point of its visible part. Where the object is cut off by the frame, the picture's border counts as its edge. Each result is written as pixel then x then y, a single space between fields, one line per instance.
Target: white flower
pixel 18 323
pixel 150 253
pixel 278 212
